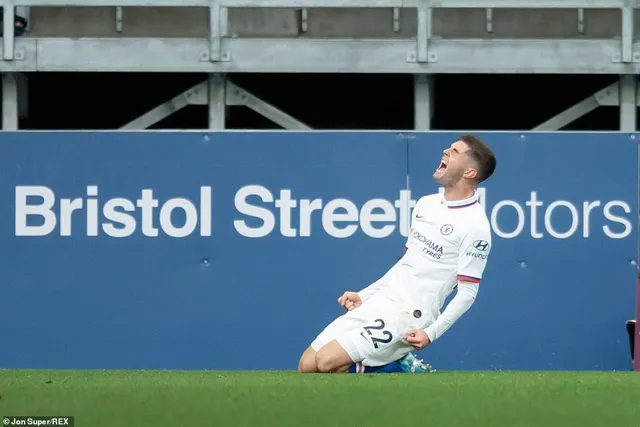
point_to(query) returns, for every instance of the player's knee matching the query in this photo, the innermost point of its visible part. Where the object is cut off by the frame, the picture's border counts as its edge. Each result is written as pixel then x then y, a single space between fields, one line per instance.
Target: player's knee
pixel 324 362
pixel 306 368
pixel 327 361
pixel 307 363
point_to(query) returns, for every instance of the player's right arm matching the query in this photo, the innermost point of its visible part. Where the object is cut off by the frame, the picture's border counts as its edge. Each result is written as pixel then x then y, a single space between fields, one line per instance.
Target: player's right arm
pixel 382 282
pixel 376 286
pixel 351 300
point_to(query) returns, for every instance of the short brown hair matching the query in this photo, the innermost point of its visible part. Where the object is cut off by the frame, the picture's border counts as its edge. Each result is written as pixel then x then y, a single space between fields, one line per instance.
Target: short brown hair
pixel 481 155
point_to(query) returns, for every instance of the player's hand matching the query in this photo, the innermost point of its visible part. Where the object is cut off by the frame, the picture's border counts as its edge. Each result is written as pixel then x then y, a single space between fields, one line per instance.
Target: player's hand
pixel 418 338
pixel 350 300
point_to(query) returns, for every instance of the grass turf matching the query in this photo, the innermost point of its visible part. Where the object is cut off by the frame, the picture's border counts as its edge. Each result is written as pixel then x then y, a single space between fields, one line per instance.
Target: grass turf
pixel 266 399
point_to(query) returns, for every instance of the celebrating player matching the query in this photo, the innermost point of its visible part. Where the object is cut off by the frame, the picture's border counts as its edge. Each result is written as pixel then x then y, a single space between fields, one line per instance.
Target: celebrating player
pixel 447 248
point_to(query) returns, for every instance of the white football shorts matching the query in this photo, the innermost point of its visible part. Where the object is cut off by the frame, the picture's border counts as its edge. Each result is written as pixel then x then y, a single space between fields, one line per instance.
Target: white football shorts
pixel 372 333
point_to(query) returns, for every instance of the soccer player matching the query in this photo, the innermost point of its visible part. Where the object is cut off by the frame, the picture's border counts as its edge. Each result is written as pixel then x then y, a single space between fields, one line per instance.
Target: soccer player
pixel 447 248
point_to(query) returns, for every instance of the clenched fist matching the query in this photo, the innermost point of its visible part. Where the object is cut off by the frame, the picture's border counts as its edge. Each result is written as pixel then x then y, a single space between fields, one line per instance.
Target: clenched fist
pixel 350 300
pixel 418 338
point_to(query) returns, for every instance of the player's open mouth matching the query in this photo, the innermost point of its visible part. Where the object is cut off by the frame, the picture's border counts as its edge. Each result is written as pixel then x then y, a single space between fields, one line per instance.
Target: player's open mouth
pixel 442 166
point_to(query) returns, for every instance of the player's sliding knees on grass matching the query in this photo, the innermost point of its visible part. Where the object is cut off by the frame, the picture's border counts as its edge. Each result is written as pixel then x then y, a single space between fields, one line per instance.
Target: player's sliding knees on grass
pixel 362 341
pixel 446 250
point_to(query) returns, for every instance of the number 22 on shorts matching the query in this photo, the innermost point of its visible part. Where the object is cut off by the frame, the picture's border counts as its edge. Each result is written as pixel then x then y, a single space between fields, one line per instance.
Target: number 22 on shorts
pixel 378 326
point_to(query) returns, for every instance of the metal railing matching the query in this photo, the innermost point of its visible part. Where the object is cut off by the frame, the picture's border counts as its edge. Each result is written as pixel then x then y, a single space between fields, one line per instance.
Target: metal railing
pixel 448 4
pixel 218 15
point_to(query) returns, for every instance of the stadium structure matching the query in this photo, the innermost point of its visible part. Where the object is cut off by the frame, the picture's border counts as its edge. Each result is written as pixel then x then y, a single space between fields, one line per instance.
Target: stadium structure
pixel 218 43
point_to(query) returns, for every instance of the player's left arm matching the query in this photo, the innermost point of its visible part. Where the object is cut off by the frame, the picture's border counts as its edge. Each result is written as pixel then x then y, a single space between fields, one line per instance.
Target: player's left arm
pixel 474 253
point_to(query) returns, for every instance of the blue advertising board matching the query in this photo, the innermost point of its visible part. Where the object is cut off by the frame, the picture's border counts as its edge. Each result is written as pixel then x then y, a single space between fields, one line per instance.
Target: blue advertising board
pixel 196 250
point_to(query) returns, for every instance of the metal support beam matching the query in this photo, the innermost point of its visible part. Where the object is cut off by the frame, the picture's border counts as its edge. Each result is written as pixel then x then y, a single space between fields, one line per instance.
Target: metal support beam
pixel 304 20
pixel 238 96
pixel 396 20
pixel 8 28
pixel 216 94
pixel 447 4
pixel 166 109
pixel 9 101
pixel 119 19
pixel 214 31
pixel 528 4
pixel 212 92
pixel 423 34
pixel 625 94
pixel 263 55
pixel 479 4
pixel 224 22
pixel 628 103
pixel 423 101
pixel 627 35
pixel 489 20
pixel 578 110
pixel 581 21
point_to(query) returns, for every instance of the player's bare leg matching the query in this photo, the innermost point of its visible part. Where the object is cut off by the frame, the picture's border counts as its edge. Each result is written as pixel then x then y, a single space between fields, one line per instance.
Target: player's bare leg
pixel 307 363
pixel 408 363
pixel 333 358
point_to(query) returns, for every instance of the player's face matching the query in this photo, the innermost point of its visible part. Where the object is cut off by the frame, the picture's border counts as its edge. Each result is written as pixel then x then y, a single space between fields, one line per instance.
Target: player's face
pixel 453 165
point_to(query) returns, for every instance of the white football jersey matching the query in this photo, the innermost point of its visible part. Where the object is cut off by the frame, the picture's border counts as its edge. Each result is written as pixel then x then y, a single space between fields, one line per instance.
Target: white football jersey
pixel 448 241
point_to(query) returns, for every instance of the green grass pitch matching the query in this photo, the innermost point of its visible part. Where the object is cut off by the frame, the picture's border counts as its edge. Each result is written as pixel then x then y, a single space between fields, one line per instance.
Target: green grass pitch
pixel 279 399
